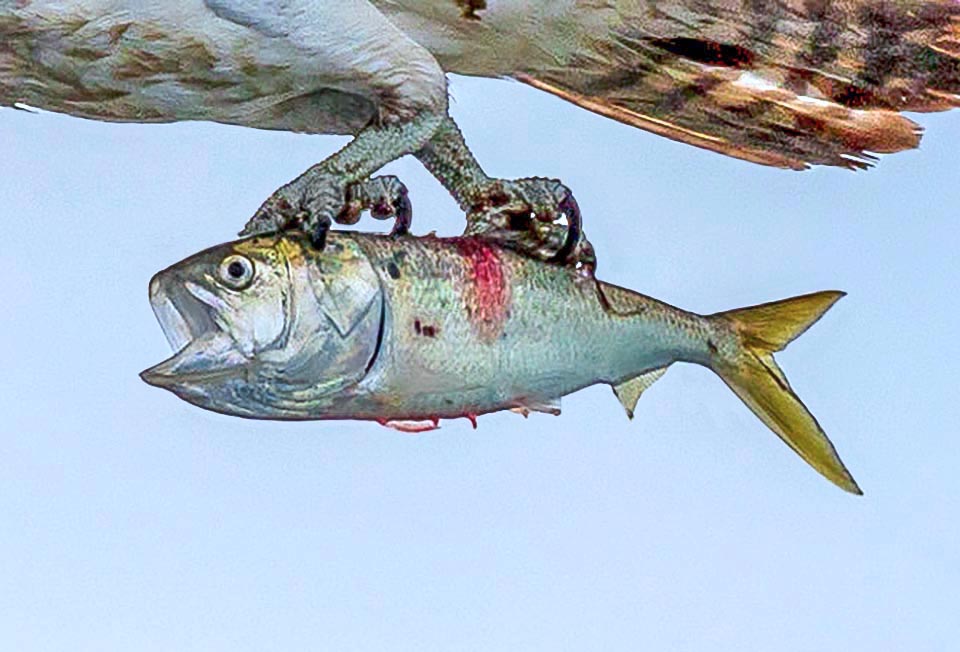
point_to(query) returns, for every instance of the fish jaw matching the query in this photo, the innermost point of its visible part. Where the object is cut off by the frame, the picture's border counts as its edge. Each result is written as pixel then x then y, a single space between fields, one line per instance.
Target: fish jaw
pixel 204 352
pixel 203 360
pixel 294 342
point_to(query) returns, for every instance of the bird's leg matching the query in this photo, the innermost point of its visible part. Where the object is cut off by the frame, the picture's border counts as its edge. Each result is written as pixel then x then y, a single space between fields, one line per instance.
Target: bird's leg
pixel 320 195
pixel 525 213
pixel 448 158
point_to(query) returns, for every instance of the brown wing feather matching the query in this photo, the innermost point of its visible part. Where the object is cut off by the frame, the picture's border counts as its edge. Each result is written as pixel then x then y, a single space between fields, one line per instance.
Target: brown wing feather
pixel 786 83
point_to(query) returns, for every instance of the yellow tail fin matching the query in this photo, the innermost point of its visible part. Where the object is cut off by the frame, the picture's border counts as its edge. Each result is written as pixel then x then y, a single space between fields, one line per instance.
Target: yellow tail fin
pixel 754 376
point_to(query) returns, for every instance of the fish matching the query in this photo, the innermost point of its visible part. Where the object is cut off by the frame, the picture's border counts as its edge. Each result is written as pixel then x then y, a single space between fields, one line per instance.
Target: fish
pixel 406 331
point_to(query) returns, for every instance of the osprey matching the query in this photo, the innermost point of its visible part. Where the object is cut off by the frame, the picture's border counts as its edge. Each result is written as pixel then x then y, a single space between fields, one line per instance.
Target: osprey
pixel 786 83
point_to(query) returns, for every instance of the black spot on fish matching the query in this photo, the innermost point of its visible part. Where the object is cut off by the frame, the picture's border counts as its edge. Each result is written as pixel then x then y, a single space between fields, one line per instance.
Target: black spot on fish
pixel 393 270
pixel 424 329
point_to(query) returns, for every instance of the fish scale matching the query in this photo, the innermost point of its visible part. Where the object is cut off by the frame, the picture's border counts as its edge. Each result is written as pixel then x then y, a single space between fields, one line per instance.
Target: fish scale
pixel 500 348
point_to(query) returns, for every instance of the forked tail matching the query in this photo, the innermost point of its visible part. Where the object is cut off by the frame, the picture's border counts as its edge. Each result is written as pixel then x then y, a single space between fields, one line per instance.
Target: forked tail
pixel 754 376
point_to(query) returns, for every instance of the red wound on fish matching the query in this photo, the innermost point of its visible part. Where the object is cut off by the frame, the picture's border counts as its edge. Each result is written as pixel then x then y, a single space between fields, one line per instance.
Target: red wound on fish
pixel 487 292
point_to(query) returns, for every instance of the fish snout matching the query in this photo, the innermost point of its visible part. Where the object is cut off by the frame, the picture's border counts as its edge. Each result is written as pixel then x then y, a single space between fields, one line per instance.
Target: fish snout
pixel 186 314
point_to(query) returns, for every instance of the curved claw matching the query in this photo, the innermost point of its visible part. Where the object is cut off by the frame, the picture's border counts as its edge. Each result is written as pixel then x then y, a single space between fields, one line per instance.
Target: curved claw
pixel 385 197
pixel 318 236
pixel 523 214
pixel 568 206
pixel 404 214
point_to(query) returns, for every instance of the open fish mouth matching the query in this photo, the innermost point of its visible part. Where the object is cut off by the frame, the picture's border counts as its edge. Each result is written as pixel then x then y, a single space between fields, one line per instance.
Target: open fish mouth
pixel 187 313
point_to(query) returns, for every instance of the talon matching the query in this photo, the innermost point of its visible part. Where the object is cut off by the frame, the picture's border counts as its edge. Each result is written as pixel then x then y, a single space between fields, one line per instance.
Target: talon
pixel 403 211
pixel 351 212
pixel 523 215
pixel 318 237
pixel 568 206
pixel 321 198
pixel 384 197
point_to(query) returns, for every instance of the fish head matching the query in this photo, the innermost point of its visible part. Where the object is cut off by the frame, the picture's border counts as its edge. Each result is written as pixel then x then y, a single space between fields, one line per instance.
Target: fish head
pixel 268 327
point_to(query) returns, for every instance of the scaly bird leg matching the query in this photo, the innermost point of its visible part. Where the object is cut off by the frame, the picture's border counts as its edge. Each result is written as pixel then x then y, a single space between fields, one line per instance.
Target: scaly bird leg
pixel 318 197
pixel 404 107
pixel 521 213
pixel 524 214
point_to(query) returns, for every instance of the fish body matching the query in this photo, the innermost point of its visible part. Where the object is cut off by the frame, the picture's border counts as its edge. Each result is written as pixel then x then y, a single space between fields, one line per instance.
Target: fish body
pixel 418 329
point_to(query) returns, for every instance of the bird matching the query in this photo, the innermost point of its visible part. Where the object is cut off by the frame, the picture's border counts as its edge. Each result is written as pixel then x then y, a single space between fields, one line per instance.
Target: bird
pixel 783 83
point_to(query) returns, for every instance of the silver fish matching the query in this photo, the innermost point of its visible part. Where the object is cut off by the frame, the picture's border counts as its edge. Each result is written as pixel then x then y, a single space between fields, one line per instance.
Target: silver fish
pixel 406 331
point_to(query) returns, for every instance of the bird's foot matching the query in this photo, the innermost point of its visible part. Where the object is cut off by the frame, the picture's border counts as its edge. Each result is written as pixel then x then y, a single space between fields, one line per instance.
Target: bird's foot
pixel 315 200
pixel 385 197
pixel 537 216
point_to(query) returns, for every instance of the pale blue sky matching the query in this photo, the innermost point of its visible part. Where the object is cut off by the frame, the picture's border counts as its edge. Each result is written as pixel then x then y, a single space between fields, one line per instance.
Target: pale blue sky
pixel 130 520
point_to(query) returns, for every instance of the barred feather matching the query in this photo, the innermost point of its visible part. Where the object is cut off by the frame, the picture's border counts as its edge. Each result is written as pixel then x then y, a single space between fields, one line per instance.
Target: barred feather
pixel 787 83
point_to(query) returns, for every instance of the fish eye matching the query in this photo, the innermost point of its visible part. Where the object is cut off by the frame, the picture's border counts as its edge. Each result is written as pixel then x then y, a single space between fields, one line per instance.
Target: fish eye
pixel 236 272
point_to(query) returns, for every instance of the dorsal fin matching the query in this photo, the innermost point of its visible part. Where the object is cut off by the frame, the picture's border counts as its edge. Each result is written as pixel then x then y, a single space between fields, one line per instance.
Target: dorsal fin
pixel 629 392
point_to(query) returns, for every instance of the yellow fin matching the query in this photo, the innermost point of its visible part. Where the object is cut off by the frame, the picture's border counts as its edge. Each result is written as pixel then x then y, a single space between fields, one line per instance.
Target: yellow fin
pixel 754 376
pixel 629 392
pixel 771 326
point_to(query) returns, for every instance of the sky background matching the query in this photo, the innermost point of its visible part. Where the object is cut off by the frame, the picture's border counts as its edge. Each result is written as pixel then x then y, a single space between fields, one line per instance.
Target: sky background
pixel 130 520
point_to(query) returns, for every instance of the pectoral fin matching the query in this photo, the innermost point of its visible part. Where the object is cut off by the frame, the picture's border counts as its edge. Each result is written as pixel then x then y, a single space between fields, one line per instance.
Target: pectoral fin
pixel 629 392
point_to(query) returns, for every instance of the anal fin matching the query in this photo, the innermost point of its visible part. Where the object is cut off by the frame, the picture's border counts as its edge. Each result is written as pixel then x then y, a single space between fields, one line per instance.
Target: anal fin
pixel 629 391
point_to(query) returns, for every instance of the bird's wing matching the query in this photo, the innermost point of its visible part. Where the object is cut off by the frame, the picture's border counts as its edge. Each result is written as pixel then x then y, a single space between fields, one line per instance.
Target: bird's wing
pixel 786 83
pixel 314 66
